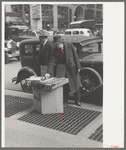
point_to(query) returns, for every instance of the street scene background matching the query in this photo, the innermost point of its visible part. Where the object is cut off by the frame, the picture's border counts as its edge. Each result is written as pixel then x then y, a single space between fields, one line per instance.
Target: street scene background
pixel 62 140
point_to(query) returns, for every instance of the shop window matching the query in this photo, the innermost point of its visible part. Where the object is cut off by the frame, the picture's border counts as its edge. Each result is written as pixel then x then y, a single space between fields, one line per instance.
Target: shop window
pixel 89 14
pixel 47 11
pixel 90 5
pixel 23 12
pixel 99 14
pixel 62 12
pixel 100 6
pixel 63 24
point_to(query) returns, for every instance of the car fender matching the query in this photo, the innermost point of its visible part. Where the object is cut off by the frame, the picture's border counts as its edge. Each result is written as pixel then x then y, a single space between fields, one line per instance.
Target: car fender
pixel 23 70
pixel 93 71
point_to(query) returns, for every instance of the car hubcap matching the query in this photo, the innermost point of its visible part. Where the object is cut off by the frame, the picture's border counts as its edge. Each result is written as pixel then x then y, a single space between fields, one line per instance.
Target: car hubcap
pixel 87 84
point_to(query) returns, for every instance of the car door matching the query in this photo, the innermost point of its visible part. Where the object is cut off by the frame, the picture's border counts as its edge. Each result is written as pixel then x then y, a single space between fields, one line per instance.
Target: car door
pixel 30 56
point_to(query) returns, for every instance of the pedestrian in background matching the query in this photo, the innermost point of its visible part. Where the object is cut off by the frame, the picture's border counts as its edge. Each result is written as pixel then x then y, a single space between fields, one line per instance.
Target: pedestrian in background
pixel 45 48
pixel 65 54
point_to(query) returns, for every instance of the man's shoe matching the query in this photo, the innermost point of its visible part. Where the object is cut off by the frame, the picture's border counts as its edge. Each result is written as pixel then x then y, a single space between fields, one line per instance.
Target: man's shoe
pixel 78 103
pixel 65 104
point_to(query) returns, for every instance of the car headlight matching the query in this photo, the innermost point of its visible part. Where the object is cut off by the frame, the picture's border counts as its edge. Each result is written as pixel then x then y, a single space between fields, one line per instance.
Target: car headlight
pixel 18 43
pixel 9 45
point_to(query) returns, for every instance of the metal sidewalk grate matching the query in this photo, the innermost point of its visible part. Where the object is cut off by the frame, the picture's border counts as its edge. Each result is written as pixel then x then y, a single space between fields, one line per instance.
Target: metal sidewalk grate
pixel 98 134
pixel 15 104
pixel 72 121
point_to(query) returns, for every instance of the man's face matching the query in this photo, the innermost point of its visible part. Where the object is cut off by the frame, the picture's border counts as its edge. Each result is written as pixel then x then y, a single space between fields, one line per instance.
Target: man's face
pixel 42 39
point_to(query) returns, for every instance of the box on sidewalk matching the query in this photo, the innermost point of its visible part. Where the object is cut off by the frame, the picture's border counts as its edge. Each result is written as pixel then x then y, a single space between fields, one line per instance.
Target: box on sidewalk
pixel 49 102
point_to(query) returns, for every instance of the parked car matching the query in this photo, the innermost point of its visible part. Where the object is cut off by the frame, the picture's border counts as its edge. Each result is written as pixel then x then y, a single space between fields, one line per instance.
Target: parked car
pixel 11 50
pixel 33 33
pixel 78 31
pixel 15 31
pixel 11 43
pixel 89 50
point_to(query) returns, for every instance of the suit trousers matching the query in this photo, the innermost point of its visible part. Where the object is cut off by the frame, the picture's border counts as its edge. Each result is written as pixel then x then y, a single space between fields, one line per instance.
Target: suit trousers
pixel 66 91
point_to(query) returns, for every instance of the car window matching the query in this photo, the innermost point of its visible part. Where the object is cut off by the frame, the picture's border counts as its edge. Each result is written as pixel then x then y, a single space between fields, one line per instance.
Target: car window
pixel 13 31
pixel 28 50
pixel 22 32
pixel 75 32
pixel 90 48
pixel 81 32
pixel 37 47
pixel 88 31
pixel 67 32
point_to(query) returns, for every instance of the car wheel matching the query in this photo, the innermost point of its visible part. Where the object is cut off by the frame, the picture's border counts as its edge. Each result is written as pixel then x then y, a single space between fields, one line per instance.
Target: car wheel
pixel 90 81
pixel 6 58
pixel 26 88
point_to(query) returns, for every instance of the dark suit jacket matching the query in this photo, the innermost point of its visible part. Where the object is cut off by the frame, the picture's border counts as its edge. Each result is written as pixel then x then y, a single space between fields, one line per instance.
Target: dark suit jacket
pixel 45 53
pixel 72 66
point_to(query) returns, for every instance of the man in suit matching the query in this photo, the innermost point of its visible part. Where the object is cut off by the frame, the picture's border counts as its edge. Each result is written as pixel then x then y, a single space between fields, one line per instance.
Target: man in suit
pixel 65 54
pixel 45 48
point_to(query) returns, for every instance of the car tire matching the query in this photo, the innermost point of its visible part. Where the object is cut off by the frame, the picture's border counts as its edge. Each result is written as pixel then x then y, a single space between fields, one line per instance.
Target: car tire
pixel 90 81
pixel 6 58
pixel 25 88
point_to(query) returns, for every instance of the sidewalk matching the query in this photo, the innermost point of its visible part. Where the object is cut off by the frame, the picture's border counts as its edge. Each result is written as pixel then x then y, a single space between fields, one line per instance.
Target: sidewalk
pixel 23 134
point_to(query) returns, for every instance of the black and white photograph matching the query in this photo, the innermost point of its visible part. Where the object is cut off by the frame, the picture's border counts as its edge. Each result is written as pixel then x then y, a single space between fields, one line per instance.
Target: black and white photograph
pixel 60 87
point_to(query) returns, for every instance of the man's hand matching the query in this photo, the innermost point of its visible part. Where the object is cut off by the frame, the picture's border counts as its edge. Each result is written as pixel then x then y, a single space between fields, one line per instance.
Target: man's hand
pixel 47 76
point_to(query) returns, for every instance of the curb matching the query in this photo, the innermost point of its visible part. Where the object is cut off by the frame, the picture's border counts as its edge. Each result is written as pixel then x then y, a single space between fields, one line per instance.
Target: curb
pixel 20 94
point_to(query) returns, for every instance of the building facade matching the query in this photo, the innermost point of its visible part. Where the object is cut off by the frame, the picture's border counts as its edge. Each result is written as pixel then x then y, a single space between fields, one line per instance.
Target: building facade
pixel 55 16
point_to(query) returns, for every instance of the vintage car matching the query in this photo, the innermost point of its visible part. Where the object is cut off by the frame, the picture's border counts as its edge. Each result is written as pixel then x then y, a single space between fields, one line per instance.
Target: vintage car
pixel 15 31
pixel 89 50
pixel 11 49
pixel 78 31
pixel 11 43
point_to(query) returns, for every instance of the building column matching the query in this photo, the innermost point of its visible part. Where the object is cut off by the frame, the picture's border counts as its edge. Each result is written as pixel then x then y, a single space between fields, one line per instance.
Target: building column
pixel 55 17
pixel 95 11
pixel 39 22
pixel 8 8
pixel 35 23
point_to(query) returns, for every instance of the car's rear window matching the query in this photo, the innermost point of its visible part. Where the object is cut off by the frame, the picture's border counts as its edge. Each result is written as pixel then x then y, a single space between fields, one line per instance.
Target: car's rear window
pixel 37 49
pixel 13 31
pixel 28 50
pixel 90 48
